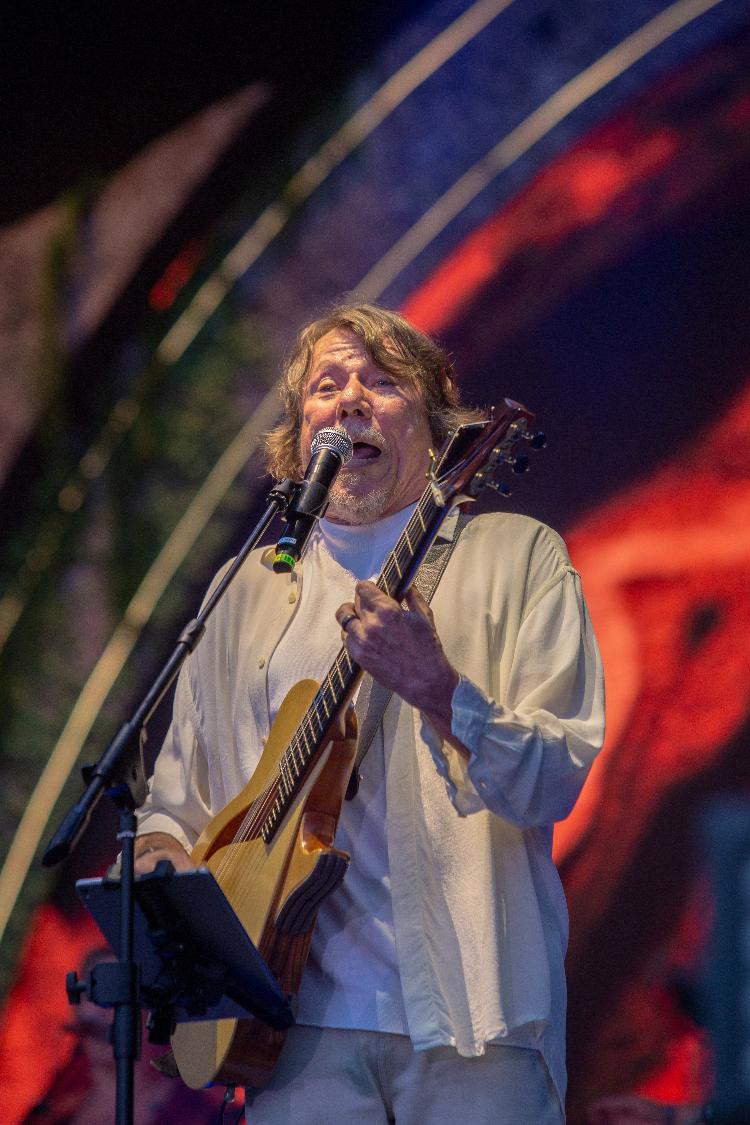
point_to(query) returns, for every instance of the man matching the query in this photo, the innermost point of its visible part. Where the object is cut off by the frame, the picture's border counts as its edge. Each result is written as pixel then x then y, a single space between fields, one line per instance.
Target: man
pixel 435 982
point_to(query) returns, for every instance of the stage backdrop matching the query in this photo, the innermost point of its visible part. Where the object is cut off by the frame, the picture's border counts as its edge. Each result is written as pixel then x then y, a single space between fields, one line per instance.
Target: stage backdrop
pixel 560 193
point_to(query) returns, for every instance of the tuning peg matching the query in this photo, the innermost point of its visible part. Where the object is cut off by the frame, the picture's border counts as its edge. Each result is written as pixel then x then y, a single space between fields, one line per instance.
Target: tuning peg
pixel 537 440
pixel 520 464
pixel 503 489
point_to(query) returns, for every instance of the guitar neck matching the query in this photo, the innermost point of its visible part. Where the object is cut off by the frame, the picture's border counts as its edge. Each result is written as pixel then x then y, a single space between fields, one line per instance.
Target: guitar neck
pixel 334 693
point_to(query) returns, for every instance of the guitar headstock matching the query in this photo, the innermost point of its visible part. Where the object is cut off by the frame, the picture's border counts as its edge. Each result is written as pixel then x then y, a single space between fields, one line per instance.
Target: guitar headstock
pixel 474 454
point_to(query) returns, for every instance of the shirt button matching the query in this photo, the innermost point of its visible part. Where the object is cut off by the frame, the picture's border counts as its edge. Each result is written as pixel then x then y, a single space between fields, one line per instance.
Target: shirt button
pixel 483 784
pixel 261 662
pixel 292 597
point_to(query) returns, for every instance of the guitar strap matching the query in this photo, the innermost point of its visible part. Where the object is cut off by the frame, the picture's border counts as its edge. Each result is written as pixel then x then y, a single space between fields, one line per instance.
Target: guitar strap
pixel 373 698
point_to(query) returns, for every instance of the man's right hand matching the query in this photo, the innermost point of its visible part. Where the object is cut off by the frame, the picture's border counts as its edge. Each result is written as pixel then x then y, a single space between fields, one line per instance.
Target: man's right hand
pixel 155 846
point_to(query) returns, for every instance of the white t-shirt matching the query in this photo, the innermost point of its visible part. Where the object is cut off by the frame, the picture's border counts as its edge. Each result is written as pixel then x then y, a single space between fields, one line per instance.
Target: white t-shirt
pixel 351 979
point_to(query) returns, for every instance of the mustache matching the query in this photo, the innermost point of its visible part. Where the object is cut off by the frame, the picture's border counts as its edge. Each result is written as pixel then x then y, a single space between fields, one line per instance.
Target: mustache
pixel 362 431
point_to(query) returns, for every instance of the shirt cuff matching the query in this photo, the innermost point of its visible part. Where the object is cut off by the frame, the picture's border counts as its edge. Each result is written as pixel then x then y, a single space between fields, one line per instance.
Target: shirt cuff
pixel 161 822
pixel 471 710
pixel 451 765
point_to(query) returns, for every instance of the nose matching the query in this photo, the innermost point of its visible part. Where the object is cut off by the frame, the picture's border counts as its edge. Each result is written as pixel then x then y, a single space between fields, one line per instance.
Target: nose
pixel 353 401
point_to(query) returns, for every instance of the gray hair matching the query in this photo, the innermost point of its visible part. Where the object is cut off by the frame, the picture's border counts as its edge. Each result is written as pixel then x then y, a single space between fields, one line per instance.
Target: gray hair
pixel 394 345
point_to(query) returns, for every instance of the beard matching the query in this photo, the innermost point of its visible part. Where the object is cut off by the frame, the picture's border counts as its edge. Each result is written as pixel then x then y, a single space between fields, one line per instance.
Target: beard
pixel 347 506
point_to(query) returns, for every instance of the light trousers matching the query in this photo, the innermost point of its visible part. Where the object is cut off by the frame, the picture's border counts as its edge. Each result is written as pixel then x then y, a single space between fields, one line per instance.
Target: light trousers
pixel 327 1075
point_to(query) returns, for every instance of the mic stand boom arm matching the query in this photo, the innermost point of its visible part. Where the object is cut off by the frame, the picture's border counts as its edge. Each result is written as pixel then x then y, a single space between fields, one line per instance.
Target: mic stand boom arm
pixel 121 773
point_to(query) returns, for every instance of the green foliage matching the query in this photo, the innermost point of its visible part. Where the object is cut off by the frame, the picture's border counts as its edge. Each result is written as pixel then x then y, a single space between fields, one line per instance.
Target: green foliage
pixel 184 417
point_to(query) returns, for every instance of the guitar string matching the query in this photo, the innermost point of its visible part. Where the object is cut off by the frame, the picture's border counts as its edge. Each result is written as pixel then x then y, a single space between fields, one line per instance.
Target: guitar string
pixel 293 762
pixel 238 875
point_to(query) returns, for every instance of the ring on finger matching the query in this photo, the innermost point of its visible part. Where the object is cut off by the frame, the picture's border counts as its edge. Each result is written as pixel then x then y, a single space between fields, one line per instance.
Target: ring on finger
pixel 347 620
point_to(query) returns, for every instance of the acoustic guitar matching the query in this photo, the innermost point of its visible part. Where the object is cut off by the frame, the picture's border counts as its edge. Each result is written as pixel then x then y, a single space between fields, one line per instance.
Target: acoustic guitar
pixel 271 849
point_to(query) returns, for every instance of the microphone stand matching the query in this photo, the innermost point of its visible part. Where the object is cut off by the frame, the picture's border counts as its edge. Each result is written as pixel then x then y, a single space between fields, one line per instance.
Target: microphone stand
pixel 121 773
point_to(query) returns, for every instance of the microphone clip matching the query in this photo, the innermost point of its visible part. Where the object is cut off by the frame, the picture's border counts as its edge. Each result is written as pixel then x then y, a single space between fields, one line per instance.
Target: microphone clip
pixel 308 499
pixel 300 518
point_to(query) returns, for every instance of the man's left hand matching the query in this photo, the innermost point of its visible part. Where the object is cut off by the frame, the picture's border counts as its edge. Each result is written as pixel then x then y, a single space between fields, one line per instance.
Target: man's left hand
pixel 400 648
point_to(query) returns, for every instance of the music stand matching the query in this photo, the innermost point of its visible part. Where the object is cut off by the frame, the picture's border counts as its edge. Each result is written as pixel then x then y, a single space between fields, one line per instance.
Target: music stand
pixel 195 958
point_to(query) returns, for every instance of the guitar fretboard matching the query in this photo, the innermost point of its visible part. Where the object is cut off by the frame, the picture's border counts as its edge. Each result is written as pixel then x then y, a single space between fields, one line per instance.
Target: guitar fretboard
pixel 312 733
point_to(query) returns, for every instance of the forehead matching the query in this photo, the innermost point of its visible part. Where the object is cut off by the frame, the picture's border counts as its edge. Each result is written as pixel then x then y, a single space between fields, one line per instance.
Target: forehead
pixel 337 346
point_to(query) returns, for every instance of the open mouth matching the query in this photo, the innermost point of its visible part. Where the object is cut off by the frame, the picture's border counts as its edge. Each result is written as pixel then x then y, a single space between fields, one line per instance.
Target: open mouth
pixel 363 451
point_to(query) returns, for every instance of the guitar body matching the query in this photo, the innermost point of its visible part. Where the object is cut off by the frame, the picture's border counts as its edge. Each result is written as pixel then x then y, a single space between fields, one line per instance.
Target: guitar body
pixel 275 889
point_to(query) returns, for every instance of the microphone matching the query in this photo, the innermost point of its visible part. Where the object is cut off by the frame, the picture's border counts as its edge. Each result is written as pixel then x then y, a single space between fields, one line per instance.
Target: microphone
pixel 330 449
